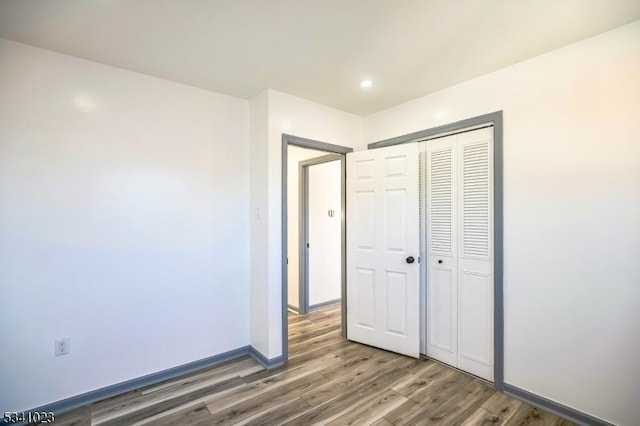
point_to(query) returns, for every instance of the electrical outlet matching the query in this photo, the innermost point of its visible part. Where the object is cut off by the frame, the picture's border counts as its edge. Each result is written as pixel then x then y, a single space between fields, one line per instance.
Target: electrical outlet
pixel 62 346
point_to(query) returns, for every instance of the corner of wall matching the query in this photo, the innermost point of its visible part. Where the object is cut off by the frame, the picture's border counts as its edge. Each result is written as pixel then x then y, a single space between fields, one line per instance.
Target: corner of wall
pixel 258 216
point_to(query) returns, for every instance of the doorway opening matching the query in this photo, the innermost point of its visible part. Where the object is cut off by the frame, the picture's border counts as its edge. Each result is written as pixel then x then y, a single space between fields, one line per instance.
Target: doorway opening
pixel 313 242
pixel 320 203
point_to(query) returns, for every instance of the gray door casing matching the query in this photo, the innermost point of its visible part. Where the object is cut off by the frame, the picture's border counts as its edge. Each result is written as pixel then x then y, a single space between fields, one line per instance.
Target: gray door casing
pixel 329 149
pixel 303 209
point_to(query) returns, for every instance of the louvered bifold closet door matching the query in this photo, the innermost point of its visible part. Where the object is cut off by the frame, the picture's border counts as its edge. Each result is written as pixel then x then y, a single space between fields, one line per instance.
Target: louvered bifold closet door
pixel 475 242
pixel 459 182
pixel 442 271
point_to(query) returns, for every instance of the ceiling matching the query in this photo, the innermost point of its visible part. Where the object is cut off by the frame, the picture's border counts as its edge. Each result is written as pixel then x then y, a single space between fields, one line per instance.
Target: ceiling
pixel 318 50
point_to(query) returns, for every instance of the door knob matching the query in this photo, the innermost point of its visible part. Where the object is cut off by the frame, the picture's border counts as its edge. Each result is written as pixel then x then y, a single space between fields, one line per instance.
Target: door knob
pixel 410 259
pixel 439 260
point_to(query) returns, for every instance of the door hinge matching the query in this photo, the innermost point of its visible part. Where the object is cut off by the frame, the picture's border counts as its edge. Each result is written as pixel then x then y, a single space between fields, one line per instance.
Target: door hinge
pixel 418 259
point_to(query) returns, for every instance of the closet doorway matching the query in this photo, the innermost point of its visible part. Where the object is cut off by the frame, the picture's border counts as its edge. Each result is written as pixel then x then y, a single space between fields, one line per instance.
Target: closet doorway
pixel 460 232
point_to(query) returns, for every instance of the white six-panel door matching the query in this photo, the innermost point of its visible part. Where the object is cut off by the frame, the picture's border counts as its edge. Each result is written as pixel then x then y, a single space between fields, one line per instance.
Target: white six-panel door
pixel 459 179
pixel 383 294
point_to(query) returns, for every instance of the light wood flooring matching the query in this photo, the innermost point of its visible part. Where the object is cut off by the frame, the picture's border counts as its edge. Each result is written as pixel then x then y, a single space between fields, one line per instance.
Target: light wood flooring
pixel 328 381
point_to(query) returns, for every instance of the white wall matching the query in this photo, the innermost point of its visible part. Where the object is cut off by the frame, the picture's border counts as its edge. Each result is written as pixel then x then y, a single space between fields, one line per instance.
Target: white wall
pixel 299 117
pixel 123 225
pixel 294 156
pixel 571 215
pixel 259 231
pixel 325 233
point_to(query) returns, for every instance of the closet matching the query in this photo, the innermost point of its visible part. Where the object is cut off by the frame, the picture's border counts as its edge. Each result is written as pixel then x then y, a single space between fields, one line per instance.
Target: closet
pixel 443 289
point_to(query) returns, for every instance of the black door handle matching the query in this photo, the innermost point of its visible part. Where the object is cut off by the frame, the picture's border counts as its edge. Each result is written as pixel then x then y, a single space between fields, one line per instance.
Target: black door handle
pixel 439 260
pixel 410 259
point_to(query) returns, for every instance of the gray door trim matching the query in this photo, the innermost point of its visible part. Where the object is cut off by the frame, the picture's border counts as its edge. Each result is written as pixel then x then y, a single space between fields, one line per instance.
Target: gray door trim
pixel 303 233
pixel 320 146
pixel 494 118
pixel 451 127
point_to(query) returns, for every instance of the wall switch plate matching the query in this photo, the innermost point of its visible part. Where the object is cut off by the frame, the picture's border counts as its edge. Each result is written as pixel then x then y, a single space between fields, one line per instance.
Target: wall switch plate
pixel 62 346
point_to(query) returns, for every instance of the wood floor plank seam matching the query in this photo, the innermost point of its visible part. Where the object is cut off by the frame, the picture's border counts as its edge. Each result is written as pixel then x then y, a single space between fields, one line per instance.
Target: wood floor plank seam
pixel 154 407
pixel 247 408
pixel 146 399
pixel 220 405
pixel 362 392
pixel 384 403
pixel 277 414
pixel 237 370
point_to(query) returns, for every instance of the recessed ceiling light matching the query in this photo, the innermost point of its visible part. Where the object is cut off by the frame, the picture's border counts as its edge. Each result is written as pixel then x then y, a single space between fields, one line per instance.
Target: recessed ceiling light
pixel 366 84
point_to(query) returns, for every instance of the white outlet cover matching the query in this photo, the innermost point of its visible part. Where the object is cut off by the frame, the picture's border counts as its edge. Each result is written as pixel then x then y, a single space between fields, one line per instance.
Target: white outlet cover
pixel 62 346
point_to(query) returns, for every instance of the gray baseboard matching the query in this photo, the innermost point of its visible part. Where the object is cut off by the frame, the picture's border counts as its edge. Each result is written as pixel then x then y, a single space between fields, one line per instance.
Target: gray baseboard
pixel 267 363
pixel 553 407
pixel 68 404
pixel 323 304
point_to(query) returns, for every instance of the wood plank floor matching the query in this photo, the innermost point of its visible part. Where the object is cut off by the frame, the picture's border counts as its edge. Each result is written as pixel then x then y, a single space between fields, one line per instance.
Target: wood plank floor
pixel 327 381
